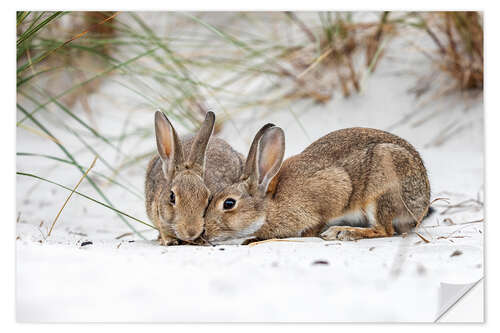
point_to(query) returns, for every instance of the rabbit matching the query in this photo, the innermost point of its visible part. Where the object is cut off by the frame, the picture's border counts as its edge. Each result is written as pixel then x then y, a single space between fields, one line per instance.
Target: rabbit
pixel 181 178
pixel 350 184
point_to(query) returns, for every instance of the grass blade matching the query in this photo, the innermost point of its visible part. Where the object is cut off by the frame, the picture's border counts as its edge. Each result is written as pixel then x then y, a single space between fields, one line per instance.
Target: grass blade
pixel 79 120
pixel 71 194
pixel 32 31
pixel 119 212
pixel 98 75
pixel 138 195
pixel 68 154
pixel 89 147
pixel 20 17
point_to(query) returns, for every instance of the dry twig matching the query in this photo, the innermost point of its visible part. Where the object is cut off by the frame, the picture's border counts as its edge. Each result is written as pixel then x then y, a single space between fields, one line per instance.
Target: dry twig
pixel 275 240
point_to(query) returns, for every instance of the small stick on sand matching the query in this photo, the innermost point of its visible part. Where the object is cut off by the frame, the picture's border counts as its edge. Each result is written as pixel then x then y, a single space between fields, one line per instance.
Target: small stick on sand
pixel 422 237
pixel 124 235
pixel 275 240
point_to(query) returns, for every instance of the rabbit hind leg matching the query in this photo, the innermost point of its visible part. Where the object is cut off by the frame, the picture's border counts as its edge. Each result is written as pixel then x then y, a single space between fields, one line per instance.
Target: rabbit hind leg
pixel 380 215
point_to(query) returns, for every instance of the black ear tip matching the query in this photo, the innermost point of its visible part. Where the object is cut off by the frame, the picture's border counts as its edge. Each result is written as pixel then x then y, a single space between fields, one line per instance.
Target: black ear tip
pixel 209 120
pixel 210 116
pixel 264 129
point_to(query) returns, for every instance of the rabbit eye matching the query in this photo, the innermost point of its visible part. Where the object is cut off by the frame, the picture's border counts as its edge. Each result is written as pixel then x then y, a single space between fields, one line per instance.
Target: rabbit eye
pixel 172 197
pixel 229 203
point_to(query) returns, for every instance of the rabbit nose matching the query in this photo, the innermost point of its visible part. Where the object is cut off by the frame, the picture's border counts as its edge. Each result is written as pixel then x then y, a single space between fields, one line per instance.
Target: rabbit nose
pixel 192 234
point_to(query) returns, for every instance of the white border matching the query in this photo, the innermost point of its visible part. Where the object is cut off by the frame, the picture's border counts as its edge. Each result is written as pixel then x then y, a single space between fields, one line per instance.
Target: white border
pixel 492 116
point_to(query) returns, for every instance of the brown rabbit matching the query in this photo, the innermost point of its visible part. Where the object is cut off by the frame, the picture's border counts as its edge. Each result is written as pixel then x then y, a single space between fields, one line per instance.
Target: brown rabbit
pixel 182 176
pixel 350 184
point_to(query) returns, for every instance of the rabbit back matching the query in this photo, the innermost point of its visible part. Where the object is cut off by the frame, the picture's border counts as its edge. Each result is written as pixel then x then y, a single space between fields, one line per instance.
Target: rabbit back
pixel 365 173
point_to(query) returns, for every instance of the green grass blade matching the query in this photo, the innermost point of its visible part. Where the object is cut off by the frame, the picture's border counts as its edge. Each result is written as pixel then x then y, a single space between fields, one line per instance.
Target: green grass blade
pixel 22 81
pixel 68 154
pixel 62 160
pixel 106 163
pixel 20 17
pixel 119 212
pixel 80 121
pixel 98 75
pixel 89 147
pixel 33 30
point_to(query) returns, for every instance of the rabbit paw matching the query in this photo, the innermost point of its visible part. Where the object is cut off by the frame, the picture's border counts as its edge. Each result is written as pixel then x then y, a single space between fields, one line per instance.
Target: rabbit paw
pixel 339 233
pixel 168 241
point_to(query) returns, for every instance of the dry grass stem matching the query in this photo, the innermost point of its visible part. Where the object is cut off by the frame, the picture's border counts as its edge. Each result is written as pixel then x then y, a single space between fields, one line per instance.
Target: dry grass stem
pixel 469 203
pixel 316 62
pixel 71 194
pixel 38 132
pixel 275 240
pixel 422 237
pixel 401 253
pixel 458 38
pixel 302 26
pixel 341 44
pixel 419 220
pixel 77 36
pixel 124 235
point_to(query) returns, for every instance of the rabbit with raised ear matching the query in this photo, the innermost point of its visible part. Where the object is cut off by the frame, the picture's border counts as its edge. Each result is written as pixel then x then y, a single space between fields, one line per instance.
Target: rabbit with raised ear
pixel 350 184
pixel 181 178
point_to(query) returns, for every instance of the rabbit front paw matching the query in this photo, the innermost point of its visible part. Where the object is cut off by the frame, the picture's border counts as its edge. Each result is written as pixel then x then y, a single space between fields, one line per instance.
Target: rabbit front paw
pixel 168 241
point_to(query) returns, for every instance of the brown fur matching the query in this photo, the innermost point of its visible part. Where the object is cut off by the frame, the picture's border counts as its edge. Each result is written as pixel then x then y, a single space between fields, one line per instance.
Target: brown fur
pixel 347 173
pixel 211 165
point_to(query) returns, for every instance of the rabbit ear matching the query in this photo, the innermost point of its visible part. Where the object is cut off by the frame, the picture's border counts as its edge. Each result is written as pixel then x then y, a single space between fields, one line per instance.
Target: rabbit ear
pixel 250 162
pixel 167 142
pixel 196 159
pixel 271 150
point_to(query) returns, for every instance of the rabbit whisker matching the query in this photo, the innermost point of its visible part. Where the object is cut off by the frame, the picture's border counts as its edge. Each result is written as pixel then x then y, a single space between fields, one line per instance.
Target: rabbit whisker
pixel 206 240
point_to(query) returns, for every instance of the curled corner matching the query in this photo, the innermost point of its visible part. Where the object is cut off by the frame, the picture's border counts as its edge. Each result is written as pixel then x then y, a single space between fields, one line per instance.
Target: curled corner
pixel 450 294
